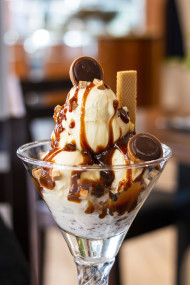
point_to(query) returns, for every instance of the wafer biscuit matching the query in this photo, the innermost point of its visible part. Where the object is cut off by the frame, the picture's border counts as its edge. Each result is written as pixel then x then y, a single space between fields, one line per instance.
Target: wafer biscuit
pixel 127 91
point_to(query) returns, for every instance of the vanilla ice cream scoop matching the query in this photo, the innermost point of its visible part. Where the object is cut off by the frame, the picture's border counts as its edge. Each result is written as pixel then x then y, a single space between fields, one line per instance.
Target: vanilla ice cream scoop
pixel 90 118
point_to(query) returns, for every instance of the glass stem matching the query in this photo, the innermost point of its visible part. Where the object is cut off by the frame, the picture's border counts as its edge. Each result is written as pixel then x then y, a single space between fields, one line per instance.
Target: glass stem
pixel 93 273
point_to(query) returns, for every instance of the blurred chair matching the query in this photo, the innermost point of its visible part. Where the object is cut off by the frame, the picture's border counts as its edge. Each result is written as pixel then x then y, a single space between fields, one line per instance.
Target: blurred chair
pixel 5 169
pixel 13 233
pixel 40 98
pixel 13 265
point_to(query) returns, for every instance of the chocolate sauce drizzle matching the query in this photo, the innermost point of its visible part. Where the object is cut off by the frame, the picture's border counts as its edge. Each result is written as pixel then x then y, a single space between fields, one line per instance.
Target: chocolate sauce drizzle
pixel 69 105
pixel 51 154
pixel 46 179
pixel 72 124
pixel 74 191
pixel 123 115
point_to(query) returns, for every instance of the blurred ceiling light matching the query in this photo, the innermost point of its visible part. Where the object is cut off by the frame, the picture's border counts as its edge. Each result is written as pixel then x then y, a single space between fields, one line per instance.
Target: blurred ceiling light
pixel 11 37
pixel 77 38
pixel 75 24
pixel 40 39
pixel 96 27
pixel 116 29
pixel 123 23
pixel 71 5
pixel 29 46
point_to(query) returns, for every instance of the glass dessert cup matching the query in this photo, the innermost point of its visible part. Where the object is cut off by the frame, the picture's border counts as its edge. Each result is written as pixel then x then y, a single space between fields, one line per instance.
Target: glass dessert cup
pixel 94 219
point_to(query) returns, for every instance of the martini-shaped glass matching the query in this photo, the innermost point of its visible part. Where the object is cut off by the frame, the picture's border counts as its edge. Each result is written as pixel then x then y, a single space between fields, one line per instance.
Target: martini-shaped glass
pixel 93 220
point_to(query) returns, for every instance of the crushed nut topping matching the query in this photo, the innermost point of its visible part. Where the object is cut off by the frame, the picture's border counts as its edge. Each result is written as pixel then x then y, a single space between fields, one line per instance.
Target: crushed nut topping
pixel 37 173
pixel 83 193
pixel 82 84
pixel 42 155
pixel 74 105
pixel 99 84
pixel 56 175
pixel 57 110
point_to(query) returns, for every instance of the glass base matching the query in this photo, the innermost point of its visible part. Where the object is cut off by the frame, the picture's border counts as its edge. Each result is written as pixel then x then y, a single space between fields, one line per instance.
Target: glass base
pixel 93 274
pixel 94 258
pixel 93 250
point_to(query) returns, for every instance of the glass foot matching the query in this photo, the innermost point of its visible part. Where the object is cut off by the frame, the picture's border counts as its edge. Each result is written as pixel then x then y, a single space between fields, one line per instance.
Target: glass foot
pixel 93 274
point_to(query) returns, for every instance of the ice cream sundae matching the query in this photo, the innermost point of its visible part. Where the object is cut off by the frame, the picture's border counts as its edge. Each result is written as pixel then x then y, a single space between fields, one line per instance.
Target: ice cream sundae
pixel 95 132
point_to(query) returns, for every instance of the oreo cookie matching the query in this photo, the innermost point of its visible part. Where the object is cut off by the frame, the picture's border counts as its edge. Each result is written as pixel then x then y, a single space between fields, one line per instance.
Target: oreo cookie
pixel 144 147
pixel 85 68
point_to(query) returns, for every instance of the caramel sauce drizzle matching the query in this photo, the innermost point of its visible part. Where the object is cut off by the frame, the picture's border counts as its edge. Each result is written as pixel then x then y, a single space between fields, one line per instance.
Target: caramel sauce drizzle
pixel 74 191
pixel 46 179
pixel 126 201
pixel 72 124
pixel 69 105
pixel 51 154
pixel 58 128
pixel 90 208
pixel 73 101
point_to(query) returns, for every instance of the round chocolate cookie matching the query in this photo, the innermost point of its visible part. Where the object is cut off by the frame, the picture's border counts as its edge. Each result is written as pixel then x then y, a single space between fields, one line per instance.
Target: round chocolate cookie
pixel 144 147
pixel 85 68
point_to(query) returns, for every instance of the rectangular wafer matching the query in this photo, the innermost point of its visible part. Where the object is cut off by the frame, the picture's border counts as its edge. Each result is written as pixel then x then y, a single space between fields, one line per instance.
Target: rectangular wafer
pixel 127 91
